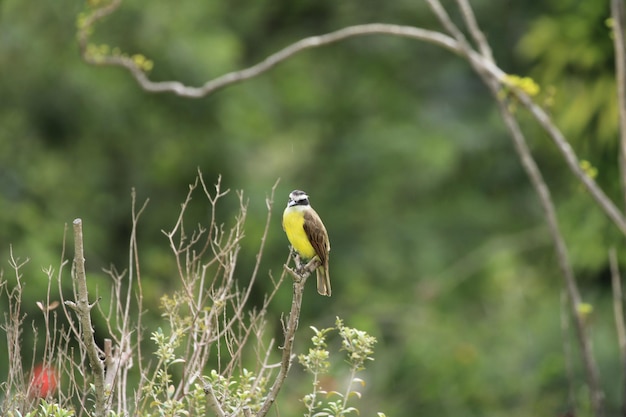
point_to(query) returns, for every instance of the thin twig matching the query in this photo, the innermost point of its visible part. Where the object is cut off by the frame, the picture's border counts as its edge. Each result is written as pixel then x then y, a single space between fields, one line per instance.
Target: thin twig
pixel 474 29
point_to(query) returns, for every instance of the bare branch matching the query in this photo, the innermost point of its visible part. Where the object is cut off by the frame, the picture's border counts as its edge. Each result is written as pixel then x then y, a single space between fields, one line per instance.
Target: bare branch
pixel 271 61
pixel 290 332
pixel 474 29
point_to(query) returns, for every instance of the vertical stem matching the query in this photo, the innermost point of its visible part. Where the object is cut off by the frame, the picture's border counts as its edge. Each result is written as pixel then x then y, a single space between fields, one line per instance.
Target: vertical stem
pixel 83 311
pixel 290 333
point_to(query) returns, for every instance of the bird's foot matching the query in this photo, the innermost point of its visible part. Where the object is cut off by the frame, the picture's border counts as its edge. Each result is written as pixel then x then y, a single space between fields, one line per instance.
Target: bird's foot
pixel 299 267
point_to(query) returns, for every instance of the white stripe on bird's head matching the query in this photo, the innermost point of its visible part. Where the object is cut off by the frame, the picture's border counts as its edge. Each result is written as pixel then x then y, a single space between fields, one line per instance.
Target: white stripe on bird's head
pixel 297 197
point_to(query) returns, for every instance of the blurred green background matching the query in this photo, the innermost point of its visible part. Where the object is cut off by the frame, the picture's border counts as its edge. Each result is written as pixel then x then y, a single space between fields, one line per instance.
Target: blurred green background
pixel 439 248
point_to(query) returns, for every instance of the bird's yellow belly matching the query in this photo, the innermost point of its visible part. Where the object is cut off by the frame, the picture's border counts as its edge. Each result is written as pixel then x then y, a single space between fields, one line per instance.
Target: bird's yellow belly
pixel 293 223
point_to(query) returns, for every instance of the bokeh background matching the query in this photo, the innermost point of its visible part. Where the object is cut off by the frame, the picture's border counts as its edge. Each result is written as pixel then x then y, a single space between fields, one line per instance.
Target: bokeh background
pixel 439 248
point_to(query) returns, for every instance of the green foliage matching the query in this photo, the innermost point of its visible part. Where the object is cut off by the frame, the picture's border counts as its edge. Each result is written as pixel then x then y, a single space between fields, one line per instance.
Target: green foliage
pixel 358 346
pixel 526 84
pixel 571 49
pixel 45 410
pixel 85 24
pixel 246 391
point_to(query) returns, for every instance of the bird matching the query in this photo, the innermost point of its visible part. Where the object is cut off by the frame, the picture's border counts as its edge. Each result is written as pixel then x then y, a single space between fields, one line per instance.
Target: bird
pixel 308 236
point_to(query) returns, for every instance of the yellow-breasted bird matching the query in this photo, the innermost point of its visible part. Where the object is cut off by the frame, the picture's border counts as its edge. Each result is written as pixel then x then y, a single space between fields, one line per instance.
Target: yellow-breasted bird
pixel 307 235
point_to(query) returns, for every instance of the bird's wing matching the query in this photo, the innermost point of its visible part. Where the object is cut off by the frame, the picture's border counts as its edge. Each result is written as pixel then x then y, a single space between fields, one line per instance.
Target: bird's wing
pixel 316 232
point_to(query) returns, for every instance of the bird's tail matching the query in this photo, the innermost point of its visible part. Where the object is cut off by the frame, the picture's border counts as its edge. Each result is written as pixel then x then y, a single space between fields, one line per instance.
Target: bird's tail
pixel 323 281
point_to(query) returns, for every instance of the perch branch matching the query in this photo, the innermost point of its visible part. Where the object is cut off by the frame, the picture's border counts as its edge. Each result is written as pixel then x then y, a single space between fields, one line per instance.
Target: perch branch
pixel 299 279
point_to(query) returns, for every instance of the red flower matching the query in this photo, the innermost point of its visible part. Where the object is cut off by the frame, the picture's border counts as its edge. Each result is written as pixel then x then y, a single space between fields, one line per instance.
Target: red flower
pixel 43 382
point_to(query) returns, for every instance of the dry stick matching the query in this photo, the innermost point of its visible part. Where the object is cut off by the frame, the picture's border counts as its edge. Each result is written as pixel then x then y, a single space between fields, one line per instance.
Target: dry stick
pixel 82 308
pixel 618 311
pixel 269 202
pixel 618 16
pixel 13 326
pixel 125 349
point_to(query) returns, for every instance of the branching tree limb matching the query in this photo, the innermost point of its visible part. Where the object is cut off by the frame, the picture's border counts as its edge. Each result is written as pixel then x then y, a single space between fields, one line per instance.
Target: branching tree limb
pixel 543 192
pixel 574 298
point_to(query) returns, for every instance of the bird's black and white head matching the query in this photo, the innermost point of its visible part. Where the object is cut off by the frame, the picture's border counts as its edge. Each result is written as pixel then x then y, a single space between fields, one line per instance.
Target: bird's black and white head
pixel 298 198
